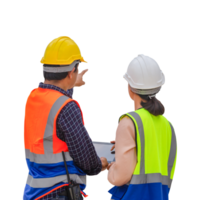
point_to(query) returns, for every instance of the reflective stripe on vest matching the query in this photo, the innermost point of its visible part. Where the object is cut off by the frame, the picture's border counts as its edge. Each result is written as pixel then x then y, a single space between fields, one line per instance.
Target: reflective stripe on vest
pixel 154 177
pixel 49 157
pixel 48 182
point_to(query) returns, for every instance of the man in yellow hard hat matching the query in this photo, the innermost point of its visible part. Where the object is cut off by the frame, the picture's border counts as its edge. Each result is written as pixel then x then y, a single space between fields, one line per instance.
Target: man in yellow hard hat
pixel 54 128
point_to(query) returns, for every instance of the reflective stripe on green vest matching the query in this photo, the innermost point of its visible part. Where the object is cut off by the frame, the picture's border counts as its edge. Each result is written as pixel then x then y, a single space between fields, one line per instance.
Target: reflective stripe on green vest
pixel 156 148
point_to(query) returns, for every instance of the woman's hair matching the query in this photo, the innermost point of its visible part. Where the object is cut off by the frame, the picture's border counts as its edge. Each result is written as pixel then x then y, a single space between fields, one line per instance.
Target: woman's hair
pixel 55 76
pixel 153 105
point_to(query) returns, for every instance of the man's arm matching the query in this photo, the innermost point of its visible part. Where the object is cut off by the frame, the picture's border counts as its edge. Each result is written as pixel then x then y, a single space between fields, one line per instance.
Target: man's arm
pixel 75 135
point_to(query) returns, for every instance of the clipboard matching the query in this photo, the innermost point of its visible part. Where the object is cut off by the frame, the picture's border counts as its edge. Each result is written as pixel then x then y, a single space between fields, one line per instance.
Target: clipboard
pixel 103 150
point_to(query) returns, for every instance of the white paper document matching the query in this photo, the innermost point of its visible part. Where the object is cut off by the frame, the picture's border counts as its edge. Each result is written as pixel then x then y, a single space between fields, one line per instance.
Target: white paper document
pixel 103 150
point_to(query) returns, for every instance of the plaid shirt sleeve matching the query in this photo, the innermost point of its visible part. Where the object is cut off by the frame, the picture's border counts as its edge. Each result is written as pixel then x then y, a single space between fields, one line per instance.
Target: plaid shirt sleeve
pixel 70 129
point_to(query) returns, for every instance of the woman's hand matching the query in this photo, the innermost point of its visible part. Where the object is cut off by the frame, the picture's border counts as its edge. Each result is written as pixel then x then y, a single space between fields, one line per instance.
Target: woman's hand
pixel 113 142
pixel 110 165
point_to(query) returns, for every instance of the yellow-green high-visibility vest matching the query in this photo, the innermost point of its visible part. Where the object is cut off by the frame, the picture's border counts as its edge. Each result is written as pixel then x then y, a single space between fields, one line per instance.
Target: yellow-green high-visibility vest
pixel 156 159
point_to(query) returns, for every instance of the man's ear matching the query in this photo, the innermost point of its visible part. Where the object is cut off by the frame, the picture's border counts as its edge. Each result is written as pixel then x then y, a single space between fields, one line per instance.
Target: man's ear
pixel 71 72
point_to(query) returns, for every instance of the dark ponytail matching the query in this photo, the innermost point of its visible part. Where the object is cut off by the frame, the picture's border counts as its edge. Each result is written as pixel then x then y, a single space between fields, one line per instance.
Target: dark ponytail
pixel 153 105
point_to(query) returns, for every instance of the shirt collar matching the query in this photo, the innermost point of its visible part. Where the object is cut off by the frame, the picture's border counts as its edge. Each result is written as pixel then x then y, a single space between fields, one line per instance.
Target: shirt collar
pixel 53 87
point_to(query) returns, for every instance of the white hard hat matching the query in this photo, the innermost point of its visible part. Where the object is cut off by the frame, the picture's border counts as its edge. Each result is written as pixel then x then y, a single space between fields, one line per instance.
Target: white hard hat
pixel 144 74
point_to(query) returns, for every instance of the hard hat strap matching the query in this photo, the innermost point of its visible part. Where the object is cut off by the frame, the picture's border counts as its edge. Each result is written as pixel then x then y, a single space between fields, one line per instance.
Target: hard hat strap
pixel 61 68
pixel 145 91
pixel 151 96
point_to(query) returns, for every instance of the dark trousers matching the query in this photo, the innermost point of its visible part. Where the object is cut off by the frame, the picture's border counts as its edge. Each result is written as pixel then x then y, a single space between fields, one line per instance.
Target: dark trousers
pixel 64 198
pixel 76 190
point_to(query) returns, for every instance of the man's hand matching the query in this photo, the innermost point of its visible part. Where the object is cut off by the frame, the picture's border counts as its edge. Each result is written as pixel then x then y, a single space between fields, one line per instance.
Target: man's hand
pixel 79 80
pixel 104 163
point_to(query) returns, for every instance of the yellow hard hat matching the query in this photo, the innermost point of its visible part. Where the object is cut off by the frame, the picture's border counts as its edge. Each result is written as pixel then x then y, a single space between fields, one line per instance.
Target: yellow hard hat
pixel 62 51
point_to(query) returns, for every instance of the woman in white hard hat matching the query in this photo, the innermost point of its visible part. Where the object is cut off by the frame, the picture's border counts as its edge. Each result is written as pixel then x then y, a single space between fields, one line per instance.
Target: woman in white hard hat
pixel 145 142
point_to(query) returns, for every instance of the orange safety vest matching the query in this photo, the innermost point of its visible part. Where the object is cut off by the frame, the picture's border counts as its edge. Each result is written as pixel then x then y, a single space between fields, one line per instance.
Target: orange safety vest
pixel 43 148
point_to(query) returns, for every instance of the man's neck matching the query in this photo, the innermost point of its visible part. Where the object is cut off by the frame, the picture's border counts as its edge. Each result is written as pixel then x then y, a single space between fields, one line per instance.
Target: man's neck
pixel 57 84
